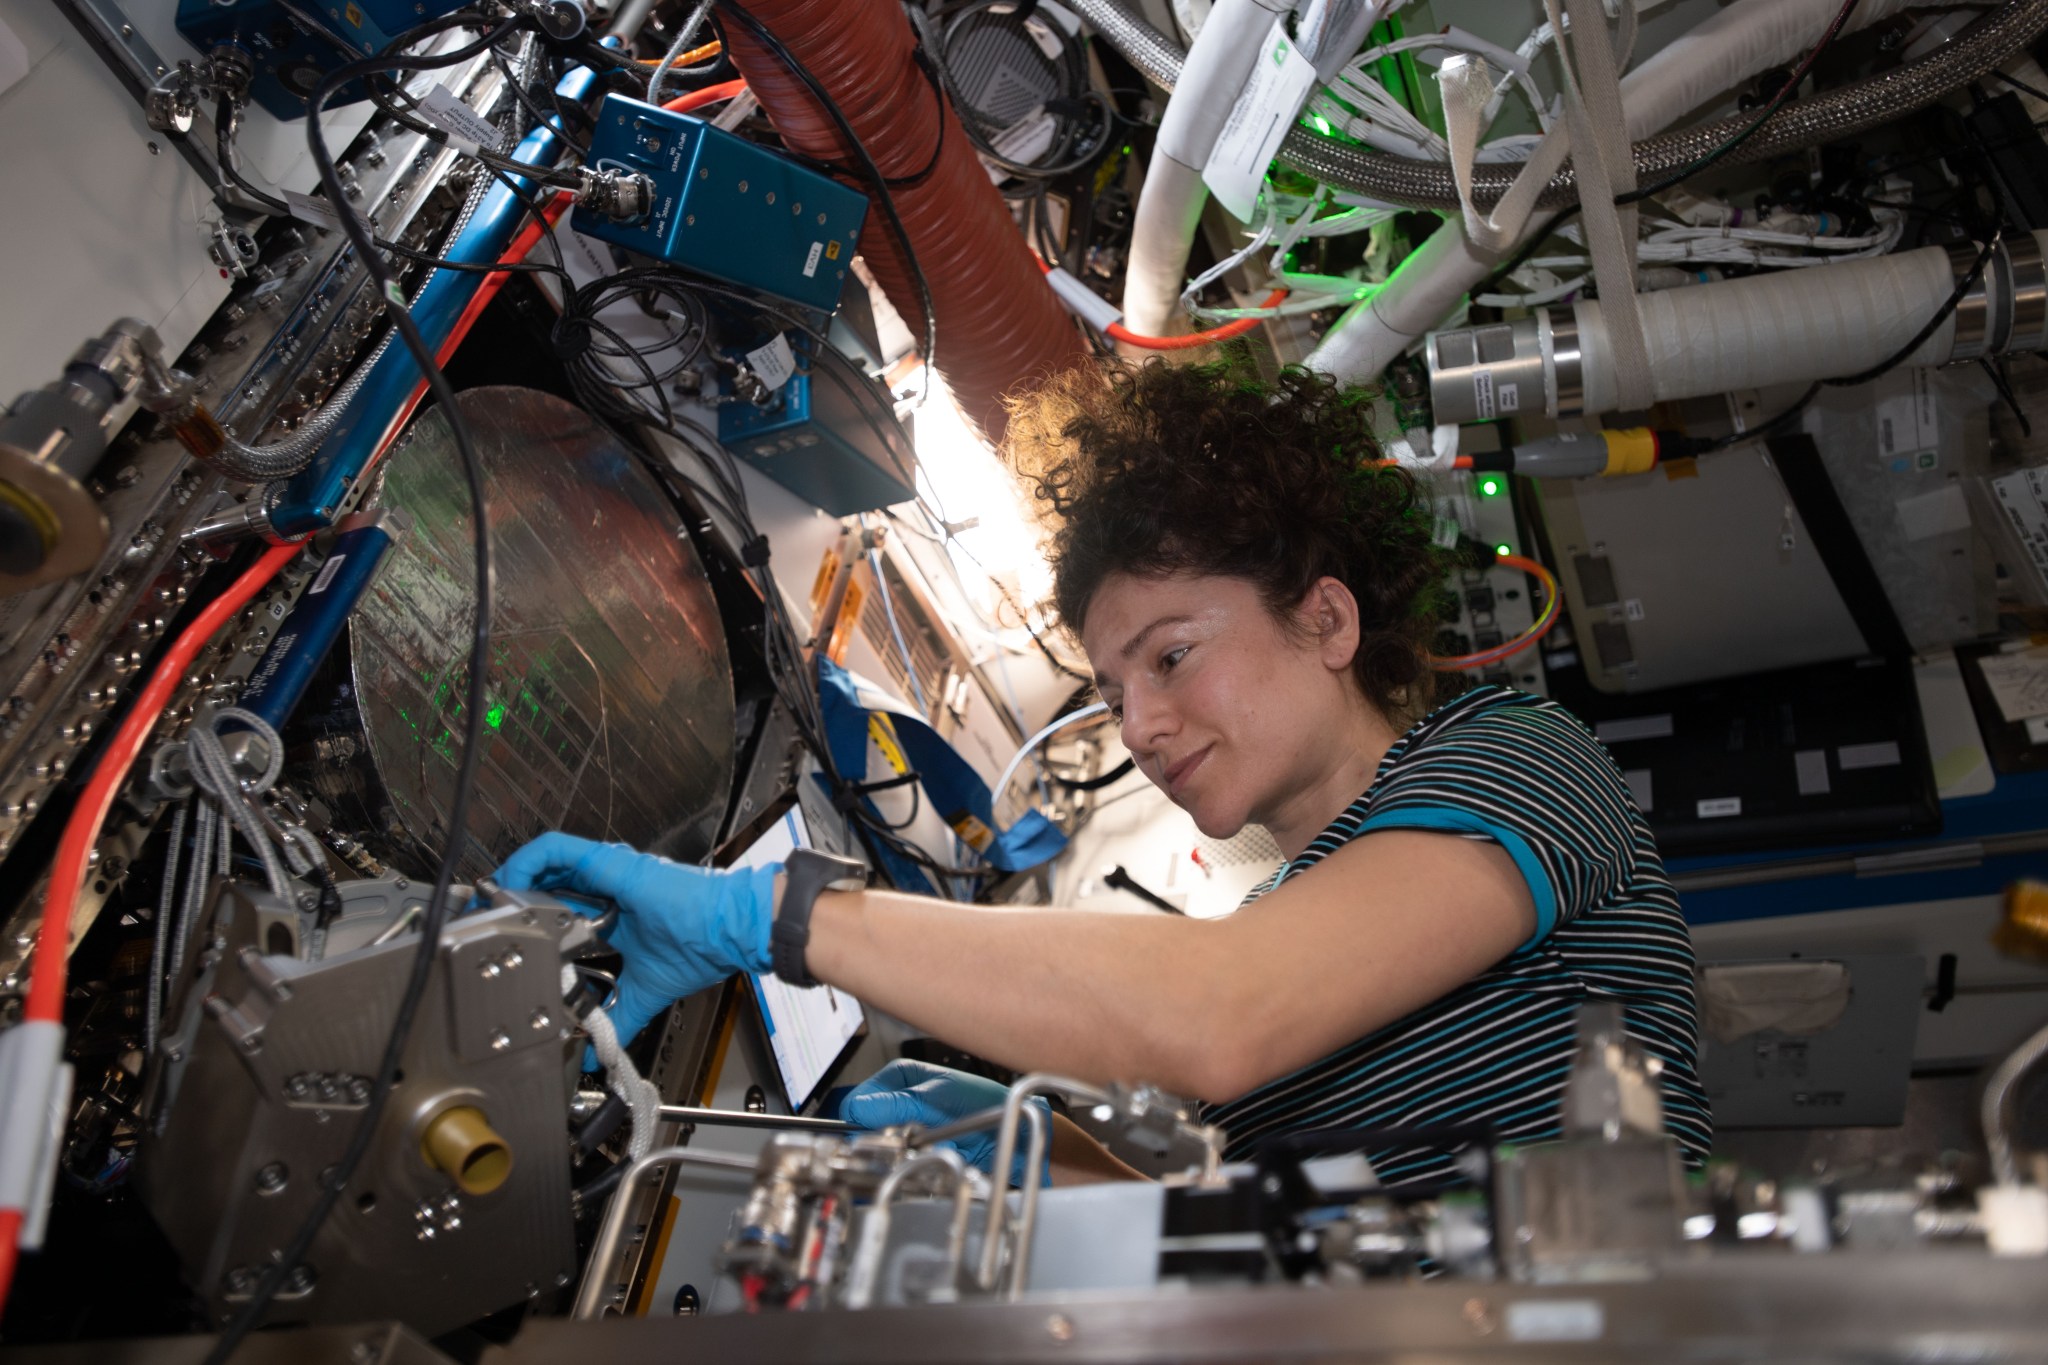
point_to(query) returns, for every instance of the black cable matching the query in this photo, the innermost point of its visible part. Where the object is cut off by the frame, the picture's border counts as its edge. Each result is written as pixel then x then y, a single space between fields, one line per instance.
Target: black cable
pixel 767 39
pixel 2006 394
pixel 1073 71
pixel 598 1186
pixel 224 153
pixel 1097 783
pixel 225 120
pixel 336 1178
pixel 1785 91
pixel 525 100
pixel 2022 86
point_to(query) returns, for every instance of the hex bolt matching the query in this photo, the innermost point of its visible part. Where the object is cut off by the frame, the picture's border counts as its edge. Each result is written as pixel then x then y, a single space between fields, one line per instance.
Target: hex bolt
pixel 272 1178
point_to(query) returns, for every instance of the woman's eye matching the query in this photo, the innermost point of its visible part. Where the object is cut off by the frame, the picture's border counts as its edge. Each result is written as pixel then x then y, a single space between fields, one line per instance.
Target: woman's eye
pixel 1172 657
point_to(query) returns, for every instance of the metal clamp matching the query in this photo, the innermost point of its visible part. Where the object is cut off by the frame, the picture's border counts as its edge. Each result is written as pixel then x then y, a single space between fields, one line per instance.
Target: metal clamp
pixel 2029 309
pixel 1560 329
pixel 1973 315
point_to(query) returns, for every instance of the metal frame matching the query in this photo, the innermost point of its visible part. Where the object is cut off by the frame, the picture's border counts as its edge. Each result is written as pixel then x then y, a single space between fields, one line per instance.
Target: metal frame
pixel 1839 1307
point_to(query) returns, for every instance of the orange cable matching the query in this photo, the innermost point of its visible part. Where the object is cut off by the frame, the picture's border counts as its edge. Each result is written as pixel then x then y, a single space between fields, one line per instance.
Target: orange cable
pixel 1539 628
pixel 710 94
pixel 1117 331
pixel 690 58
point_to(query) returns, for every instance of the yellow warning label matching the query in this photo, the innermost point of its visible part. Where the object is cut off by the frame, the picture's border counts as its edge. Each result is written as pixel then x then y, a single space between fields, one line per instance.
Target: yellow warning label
pixel 971 830
pixel 883 732
pixel 832 251
pixel 355 16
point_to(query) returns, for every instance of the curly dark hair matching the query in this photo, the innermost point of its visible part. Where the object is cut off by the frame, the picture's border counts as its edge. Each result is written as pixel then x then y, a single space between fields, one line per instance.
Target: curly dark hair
pixel 1156 469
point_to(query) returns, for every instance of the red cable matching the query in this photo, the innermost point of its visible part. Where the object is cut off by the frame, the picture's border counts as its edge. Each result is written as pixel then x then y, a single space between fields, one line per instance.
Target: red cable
pixel 10 1251
pixel 488 290
pixel 82 831
pixel 710 94
pixel 1117 331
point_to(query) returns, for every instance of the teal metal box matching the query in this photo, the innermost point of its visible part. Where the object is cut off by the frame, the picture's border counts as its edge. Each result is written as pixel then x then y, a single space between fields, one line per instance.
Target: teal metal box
pixel 726 207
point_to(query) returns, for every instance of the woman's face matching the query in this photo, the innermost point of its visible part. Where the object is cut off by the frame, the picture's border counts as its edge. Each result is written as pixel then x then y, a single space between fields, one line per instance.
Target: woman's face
pixel 1226 711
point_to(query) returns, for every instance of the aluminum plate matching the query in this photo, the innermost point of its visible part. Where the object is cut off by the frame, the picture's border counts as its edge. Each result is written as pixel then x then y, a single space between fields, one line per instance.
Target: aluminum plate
pixel 611 709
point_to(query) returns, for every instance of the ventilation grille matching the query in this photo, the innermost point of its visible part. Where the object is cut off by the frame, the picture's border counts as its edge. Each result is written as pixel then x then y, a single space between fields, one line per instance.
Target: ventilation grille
pixel 926 654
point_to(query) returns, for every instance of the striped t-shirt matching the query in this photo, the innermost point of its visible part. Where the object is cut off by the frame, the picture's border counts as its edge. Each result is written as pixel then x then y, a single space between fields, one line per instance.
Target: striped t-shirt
pixel 1504 766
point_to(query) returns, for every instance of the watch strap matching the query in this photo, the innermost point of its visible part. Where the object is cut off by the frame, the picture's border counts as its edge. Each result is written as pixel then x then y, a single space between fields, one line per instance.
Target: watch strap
pixel 805 873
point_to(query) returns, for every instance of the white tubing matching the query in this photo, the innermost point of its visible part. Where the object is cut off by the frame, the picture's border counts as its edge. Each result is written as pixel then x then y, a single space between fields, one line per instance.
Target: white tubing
pixel 1162 232
pixel 1736 43
pixel 1416 297
pixel 1170 201
pixel 1003 783
pixel 1217 67
pixel 1779 329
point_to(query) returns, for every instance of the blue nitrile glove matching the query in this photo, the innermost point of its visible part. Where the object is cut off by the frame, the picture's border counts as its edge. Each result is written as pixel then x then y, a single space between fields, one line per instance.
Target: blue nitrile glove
pixel 680 928
pixel 905 1092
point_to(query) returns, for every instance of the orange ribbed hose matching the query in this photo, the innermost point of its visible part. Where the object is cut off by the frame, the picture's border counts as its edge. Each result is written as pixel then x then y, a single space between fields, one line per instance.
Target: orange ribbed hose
pixel 999 328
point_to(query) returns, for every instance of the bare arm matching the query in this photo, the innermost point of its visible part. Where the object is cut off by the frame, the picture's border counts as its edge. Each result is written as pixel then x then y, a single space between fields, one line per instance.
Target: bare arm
pixel 1206 1008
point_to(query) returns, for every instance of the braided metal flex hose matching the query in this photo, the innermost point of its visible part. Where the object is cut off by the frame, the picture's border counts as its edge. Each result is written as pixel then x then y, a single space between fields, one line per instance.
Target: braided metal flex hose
pixel 1839 113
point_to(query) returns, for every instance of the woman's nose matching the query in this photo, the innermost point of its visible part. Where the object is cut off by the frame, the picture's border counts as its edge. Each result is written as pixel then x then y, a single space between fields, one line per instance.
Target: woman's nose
pixel 1148 721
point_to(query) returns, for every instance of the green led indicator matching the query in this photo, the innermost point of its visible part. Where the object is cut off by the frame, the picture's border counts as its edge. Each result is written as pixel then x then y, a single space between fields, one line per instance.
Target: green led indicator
pixel 1489 487
pixel 1503 549
pixel 1322 124
pixel 495 716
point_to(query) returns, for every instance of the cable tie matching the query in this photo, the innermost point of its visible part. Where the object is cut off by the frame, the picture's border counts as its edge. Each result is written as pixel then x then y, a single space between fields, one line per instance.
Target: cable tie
pixel 754 551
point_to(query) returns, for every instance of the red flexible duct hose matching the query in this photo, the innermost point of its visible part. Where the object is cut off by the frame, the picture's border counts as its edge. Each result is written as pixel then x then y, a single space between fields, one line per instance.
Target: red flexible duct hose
pixel 999 327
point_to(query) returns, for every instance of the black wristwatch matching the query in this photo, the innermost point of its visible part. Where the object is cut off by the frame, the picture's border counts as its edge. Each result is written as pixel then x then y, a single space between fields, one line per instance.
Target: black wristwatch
pixel 805 873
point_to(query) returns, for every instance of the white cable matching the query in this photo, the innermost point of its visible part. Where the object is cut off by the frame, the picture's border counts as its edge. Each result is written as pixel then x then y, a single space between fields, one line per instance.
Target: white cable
pixel 214 773
pixel 643 1101
pixel 684 37
pixel 1062 723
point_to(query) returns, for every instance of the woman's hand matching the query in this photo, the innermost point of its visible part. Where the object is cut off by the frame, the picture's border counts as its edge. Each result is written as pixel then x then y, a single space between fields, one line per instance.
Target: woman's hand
pixel 680 928
pixel 907 1092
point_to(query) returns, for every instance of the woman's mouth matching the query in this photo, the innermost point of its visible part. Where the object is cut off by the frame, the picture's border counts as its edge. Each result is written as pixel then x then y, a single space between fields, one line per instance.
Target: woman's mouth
pixel 1177 775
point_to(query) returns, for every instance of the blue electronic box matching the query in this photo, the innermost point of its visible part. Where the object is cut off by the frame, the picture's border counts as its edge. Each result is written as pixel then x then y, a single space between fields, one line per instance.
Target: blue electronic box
pixel 726 207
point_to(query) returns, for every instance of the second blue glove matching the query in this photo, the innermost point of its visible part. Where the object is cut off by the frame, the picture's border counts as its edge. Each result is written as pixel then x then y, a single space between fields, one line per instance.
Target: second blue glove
pixel 680 928
pixel 907 1092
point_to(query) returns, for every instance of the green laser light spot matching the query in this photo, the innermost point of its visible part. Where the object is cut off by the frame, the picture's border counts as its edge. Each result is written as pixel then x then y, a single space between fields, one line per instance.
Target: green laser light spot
pixel 495 717
pixel 1504 549
pixel 1489 487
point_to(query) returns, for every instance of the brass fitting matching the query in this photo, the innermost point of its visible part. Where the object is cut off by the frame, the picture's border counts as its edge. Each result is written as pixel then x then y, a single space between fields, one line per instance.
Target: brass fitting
pixel 462 1142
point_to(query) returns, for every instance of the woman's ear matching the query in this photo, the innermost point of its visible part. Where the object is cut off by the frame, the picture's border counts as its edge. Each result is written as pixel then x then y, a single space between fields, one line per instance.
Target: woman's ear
pixel 1329 613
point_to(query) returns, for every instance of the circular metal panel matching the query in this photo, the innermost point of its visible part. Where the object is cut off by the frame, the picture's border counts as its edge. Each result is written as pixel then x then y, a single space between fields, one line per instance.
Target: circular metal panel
pixel 611 703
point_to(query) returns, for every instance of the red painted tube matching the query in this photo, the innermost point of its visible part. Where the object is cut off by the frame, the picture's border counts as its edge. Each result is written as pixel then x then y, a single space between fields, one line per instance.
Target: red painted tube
pixel 999 327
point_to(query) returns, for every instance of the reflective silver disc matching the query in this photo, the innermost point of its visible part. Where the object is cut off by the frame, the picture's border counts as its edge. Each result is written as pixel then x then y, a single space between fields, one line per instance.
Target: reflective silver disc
pixel 611 701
